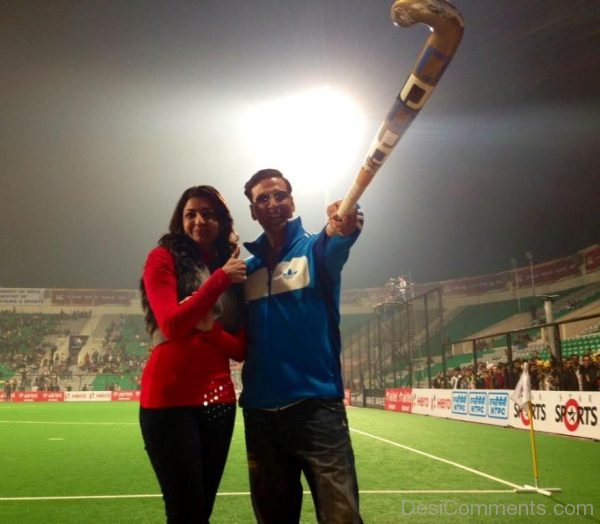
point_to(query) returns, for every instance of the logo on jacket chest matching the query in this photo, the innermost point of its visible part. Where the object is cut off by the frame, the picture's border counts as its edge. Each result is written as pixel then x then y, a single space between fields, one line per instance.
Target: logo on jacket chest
pixel 288 275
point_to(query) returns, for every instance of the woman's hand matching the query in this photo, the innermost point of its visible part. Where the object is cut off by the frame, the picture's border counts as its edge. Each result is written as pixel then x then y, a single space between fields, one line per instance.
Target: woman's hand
pixel 235 268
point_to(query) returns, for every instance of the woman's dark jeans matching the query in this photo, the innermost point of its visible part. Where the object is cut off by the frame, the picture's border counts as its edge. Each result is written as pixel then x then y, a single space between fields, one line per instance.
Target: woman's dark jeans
pixel 188 448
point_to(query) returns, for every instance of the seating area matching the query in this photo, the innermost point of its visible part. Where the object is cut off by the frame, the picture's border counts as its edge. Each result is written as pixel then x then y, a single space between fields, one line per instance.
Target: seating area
pixel 29 345
pixel 581 345
pixel 103 348
pixel 471 323
pixel 38 351
pixel 475 318
pixel 116 382
pixel 135 341
pixel 576 299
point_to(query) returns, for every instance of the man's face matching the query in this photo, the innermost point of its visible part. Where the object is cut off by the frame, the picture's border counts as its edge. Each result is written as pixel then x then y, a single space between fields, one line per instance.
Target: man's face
pixel 272 205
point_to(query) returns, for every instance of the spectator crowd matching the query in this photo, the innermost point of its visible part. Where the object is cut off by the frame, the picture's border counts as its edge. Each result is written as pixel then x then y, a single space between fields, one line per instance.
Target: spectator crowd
pixel 574 374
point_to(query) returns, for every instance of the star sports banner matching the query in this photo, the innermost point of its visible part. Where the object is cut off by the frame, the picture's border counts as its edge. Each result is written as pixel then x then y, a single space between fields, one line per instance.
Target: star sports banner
pixel 573 413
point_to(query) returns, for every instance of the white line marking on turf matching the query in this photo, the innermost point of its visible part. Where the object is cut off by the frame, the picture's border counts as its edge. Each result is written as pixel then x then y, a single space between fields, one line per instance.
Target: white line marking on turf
pixel 69 423
pixel 80 497
pixel 430 491
pixel 434 457
pixel 247 494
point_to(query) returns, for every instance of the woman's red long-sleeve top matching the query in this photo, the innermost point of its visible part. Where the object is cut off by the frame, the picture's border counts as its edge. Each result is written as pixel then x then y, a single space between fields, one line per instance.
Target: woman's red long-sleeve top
pixel 191 368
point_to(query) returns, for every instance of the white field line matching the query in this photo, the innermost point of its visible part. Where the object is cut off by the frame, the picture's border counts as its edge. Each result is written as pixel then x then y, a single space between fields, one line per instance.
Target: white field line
pixel 247 494
pixel 429 491
pixel 79 497
pixel 78 423
pixel 440 459
pixel 49 422
pixel 244 493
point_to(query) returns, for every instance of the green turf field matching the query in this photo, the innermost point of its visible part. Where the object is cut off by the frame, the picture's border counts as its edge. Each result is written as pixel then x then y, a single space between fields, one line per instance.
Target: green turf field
pixel 84 463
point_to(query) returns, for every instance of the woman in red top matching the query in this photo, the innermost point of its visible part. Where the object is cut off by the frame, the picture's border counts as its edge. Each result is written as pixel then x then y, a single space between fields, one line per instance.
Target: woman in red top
pixel 193 312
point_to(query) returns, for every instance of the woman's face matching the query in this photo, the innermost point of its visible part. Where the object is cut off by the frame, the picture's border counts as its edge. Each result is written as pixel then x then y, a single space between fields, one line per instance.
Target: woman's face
pixel 200 221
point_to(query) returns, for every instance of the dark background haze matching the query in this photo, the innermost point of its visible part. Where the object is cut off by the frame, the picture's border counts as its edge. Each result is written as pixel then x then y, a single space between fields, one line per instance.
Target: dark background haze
pixel 110 109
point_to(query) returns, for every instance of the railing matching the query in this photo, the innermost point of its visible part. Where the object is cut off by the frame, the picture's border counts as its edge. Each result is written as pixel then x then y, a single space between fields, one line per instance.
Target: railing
pixel 77 382
pixel 405 346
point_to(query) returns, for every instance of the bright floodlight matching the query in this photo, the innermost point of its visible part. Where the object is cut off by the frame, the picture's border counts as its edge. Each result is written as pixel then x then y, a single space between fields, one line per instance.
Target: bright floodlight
pixel 313 137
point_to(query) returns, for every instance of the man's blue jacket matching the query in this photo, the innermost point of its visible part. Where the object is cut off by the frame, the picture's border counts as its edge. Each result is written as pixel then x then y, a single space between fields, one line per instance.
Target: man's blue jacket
pixel 293 319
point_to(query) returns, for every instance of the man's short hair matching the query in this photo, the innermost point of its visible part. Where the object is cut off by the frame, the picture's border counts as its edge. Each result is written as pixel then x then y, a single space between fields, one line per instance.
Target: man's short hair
pixel 261 175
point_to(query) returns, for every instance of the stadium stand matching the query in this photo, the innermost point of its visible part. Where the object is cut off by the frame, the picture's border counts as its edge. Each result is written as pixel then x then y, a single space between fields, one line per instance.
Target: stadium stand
pixel 96 339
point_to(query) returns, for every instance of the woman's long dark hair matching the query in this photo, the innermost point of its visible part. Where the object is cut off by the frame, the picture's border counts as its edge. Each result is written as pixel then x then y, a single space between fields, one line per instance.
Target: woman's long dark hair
pixel 178 242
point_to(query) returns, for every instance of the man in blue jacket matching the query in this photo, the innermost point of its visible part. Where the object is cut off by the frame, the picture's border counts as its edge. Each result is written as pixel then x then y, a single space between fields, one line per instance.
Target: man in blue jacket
pixel 295 419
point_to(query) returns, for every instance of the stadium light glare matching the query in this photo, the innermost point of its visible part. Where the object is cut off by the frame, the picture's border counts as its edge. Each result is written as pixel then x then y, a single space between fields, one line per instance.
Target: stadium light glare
pixel 313 137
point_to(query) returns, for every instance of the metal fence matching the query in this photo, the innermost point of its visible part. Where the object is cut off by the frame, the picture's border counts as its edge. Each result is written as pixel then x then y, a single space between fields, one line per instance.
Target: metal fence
pixel 399 342
pixel 405 345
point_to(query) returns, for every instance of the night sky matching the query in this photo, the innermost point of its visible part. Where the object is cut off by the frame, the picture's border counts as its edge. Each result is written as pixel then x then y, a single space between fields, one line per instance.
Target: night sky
pixel 110 109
